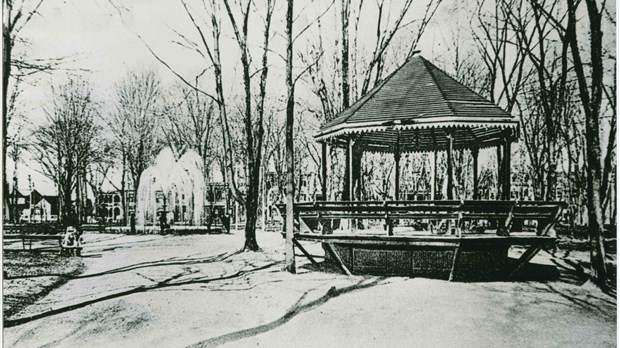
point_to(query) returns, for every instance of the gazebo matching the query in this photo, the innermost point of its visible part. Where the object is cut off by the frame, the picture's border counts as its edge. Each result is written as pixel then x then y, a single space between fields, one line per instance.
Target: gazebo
pixel 420 108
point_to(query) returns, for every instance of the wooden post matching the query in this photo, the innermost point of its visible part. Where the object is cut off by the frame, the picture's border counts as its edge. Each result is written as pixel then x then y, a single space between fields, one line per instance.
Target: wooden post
pixel 525 258
pixel 324 170
pixel 450 167
pixel 434 178
pixel 356 171
pixel 397 169
pixel 336 257
pixel 506 162
pixel 305 252
pixel 500 172
pixel 346 194
pixel 350 175
pixel 474 154
pixel 455 261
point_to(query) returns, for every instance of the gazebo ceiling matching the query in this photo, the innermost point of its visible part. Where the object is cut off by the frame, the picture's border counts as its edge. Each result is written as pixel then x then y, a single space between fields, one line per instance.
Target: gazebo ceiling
pixel 423 104
pixel 427 139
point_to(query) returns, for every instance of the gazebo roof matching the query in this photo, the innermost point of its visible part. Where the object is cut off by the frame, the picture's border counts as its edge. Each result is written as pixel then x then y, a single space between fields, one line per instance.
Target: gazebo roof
pixel 416 107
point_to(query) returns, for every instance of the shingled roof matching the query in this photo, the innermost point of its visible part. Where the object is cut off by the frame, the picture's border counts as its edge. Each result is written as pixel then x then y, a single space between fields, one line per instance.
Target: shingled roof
pixel 416 107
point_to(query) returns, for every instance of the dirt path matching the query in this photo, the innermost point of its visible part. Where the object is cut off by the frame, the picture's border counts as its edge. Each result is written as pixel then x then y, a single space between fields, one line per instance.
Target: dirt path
pixel 171 291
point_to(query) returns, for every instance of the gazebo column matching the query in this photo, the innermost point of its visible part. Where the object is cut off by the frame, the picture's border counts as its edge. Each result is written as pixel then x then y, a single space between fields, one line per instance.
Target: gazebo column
pixel 324 170
pixel 434 178
pixel 500 172
pixel 397 175
pixel 356 171
pixel 474 154
pixel 347 193
pixel 397 169
pixel 506 162
pixel 450 167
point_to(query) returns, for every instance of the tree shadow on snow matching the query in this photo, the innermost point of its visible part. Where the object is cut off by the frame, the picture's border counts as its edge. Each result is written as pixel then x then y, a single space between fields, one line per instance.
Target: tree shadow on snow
pixel 166 283
pixel 297 308
pixel 149 264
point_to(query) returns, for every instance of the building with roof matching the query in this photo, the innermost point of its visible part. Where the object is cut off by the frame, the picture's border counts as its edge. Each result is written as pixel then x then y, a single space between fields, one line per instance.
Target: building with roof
pixel 33 206
pixel 420 108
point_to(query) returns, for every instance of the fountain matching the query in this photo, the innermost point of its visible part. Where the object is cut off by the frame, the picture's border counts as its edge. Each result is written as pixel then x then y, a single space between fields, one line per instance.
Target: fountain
pixel 173 188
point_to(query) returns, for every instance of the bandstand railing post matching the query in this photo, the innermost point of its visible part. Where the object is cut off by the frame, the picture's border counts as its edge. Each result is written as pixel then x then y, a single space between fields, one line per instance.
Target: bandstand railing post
pixel 500 172
pixel 324 170
pixel 397 169
pixel 474 154
pixel 506 162
pixel 450 167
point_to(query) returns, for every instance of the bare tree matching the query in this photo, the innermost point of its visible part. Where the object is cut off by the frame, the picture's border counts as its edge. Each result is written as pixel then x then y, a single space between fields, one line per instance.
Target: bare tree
pixel 590 83
pixel 189 124
pixel 591 95
pixel 253 115
pixel 68 144
pixel 16 14
pixel 495 38
pixel 253 107
pixel 135 123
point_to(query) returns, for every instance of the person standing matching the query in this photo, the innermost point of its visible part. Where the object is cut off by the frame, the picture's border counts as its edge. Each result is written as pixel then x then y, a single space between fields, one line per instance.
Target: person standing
pixel 132 223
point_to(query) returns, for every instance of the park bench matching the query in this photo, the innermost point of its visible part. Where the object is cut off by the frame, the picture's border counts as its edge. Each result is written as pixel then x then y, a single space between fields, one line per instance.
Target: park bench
pixel 27 240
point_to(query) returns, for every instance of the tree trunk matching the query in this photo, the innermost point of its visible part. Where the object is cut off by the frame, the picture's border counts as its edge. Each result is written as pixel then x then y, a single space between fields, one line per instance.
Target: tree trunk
pixel 290 158
pixel 6 73
pixel 67 193
pixel 78 197
pixel 123 195
pixel 591 105
pixel 251 205
pixel 345 53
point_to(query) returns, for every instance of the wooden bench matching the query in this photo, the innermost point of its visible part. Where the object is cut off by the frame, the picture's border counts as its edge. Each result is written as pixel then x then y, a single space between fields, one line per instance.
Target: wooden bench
pixel 71 250
pixel 27 240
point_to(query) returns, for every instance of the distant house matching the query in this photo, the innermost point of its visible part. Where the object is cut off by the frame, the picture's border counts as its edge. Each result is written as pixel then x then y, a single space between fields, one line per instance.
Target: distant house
pixel 33 206
pixel 18 202
pixel 110 205
pixel 45 208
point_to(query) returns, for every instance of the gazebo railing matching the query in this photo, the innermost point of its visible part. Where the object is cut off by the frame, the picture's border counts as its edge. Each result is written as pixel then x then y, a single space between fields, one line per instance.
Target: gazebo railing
pixel 501 215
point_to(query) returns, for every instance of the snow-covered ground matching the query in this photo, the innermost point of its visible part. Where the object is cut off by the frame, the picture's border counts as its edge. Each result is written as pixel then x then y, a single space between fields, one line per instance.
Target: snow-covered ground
pixel 177 291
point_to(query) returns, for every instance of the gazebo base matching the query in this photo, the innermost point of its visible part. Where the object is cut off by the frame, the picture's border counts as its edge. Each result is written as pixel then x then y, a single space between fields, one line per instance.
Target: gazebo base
pixel 428 262
pixel 470 257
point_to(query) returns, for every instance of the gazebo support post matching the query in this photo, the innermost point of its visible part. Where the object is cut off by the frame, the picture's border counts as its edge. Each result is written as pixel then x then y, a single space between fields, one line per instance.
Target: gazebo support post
pixel 500 172
pixel 450 167
pixel 450 175
pixel 356 182
pixel 434 178
pixel 356 171
pixel 506 162
pixel 397 169
pixel 348 182
pixel 474 154
pixel 324 170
